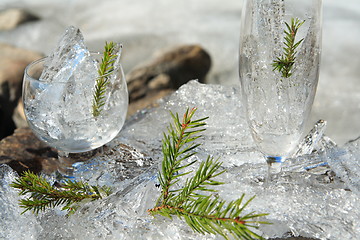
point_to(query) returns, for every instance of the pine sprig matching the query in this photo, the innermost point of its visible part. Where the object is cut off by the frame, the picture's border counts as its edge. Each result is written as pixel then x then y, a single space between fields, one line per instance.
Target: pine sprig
pixel 105 69
pixel 43 195
pixel 203 213
pixel 209 214
pixel 202 178
pixel 285 63
pixel 175 152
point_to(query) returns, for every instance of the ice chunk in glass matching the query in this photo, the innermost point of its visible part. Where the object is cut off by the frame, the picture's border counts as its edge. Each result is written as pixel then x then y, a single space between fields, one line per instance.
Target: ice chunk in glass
pixel 60 111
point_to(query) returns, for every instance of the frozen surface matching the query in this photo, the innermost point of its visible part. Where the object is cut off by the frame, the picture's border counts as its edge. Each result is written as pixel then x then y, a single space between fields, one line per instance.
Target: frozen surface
pixel 310 203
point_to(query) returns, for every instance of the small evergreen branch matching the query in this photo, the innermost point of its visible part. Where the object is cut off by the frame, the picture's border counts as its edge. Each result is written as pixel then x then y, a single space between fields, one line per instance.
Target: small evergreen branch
pixel 43 195
pixel 105 69
pixel 175 152
pixel 203 177
pixel 204 214
pixel 285 63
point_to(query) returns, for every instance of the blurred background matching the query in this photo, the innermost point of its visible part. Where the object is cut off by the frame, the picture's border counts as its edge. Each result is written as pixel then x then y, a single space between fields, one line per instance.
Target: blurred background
pixel 147 28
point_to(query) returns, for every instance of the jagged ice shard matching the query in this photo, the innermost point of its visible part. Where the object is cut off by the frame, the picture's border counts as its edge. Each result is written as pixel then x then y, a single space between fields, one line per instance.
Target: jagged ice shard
pixel 66 86
pixel 303 202
pixel 70 56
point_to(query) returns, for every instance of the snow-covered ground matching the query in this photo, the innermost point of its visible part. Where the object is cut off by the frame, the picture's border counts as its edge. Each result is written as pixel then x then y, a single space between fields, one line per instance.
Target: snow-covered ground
pixel 147 27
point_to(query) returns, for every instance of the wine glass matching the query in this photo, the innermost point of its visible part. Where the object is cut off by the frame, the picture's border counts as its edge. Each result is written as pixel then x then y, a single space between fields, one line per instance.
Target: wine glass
pixel 279 58
pixel 61 113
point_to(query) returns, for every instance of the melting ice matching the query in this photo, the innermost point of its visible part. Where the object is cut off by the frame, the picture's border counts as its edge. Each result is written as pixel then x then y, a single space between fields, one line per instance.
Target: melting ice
pixel 320 204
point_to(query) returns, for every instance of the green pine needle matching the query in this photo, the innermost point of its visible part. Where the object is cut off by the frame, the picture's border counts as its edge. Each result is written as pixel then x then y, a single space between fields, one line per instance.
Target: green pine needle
pixel 105 69
pixel 42 195
pixel 285 63
pixel 203 213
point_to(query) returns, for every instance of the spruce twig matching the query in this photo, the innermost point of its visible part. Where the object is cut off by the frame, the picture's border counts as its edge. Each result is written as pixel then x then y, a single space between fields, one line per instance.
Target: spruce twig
pixel 173 147
pixel 105 69
pixel 203 213
pixel 285 63
pixel 43 195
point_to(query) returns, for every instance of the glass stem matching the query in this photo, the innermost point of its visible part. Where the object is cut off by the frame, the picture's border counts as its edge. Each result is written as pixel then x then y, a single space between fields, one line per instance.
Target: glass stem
pixel 65 163
pixel 274 166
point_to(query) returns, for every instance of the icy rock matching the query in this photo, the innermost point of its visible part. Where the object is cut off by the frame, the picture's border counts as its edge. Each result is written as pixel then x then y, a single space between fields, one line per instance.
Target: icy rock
pixel 298 202
pixel 13 225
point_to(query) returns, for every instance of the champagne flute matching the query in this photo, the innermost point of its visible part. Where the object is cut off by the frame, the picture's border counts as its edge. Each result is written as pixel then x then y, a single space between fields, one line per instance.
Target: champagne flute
pixel 280 45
